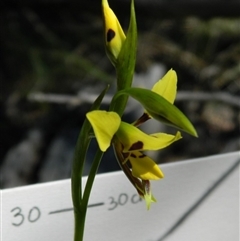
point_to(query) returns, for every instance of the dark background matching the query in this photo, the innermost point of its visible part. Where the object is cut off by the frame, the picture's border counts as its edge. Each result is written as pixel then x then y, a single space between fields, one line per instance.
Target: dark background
pixel 53 62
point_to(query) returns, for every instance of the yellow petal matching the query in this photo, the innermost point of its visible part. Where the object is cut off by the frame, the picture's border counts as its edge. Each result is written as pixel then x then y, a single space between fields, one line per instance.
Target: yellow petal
pixel 144 167
pixel 114 35
pixel 167 86
pixel 104 124
pixel 134 139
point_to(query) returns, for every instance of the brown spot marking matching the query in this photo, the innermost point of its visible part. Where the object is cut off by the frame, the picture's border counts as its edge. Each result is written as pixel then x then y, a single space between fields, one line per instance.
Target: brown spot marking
pixel 133 155
pixel 110 35
pixel 125 155
pixel 136 146
pixel 142 156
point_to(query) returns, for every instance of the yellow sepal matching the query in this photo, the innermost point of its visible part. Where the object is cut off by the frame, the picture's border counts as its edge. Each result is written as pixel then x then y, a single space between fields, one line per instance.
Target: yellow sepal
pixel 167 86
pixel 104 124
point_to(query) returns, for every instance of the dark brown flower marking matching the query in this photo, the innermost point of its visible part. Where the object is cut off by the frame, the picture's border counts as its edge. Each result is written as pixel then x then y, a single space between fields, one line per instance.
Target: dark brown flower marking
pixel 125 155
pixel 133 155
pixel 136 146
pixel 110 35
pixel 142 156
pixel 142 119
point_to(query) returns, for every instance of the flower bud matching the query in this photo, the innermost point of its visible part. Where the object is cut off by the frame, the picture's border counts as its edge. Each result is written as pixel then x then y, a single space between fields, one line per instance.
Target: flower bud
pixel 113 33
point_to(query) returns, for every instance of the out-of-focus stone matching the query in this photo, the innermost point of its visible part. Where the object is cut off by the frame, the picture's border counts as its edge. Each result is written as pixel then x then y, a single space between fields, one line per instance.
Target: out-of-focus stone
pixel 219 116
pixel 20 161
pixel 58 162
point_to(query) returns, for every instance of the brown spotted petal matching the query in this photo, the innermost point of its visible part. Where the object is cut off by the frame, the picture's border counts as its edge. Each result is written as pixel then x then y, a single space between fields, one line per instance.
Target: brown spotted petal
pixel 134 139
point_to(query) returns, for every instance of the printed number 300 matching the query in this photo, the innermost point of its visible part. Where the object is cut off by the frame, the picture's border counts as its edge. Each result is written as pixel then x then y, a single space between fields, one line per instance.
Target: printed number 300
pixel 33 215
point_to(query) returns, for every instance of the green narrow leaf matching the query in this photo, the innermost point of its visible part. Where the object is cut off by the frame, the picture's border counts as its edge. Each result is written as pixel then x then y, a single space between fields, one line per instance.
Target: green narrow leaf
pixel 126 62
pixel 80 154
pixel 160 109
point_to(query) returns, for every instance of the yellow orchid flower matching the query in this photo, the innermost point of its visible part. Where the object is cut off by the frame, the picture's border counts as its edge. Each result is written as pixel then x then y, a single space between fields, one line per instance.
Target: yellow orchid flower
pixel 129 142
pixel 114 35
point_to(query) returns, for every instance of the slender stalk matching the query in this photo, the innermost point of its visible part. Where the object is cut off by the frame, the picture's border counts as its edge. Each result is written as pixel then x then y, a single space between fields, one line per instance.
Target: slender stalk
pixel 77 169
pixel 80 215
pixel 91 177
pixel 78 164
pixel 79 225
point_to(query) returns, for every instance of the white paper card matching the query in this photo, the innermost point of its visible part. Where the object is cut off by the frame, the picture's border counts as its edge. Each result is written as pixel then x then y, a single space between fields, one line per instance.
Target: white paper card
pixel 198 200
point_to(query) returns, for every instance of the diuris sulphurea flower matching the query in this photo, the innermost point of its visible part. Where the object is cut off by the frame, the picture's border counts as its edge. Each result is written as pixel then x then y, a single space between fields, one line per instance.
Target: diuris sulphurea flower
pixel 113 33
pixel 129 143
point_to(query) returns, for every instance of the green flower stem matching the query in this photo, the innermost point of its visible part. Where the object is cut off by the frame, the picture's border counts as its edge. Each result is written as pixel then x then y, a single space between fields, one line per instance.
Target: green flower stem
pixel 78 164
pixel 80 215
pixel 91 177
pixel 79 225
pixel 79 209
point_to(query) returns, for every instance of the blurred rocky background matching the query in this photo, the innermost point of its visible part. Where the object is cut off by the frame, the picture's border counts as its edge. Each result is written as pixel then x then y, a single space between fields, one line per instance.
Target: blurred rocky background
pixel 53 65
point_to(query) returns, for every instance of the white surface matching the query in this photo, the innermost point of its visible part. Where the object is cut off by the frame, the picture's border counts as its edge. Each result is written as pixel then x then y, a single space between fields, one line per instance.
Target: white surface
pixel 199 192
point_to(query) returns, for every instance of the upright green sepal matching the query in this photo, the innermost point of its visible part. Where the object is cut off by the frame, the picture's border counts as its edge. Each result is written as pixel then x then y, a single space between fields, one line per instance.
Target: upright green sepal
pixel 160 109
pixel 127 56
pixel 125 64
